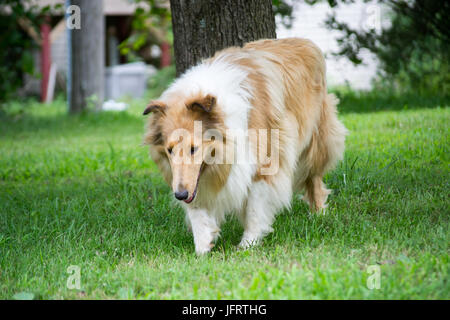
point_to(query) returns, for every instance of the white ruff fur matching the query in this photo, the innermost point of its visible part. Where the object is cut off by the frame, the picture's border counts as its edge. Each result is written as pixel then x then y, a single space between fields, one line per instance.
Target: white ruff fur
pixel 255 201
pixel 227 83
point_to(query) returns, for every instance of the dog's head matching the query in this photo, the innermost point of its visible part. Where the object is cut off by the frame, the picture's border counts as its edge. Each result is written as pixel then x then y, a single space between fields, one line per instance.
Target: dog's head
pixel 183 133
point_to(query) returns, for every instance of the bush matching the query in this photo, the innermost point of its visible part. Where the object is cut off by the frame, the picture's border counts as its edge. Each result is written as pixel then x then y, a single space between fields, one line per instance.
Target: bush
pixel 15 45
pixel 414 51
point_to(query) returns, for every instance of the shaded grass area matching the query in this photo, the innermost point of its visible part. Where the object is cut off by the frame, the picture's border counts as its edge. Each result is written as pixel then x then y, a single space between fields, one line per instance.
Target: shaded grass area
pixel 81 191
pixel 373 101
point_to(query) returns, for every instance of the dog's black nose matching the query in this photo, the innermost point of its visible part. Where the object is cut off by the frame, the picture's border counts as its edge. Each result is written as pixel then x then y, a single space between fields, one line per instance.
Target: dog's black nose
pixel 181 195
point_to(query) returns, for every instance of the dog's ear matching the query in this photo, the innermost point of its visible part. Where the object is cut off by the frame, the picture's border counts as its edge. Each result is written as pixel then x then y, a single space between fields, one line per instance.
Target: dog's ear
pixel 155 106
pixel 205 104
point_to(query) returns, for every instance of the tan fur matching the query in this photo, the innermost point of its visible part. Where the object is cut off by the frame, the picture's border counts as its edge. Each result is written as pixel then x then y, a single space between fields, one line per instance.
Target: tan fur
pixel 324 151
pixel 262 116
pixel 305 97
pixel 180 113
pixel 311 136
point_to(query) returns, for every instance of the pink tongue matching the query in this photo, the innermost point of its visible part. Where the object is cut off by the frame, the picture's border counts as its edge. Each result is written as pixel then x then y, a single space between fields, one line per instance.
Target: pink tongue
pixel 189 200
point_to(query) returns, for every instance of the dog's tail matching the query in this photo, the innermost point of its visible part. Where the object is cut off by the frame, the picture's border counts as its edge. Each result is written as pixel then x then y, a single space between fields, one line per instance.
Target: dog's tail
pixel 333 132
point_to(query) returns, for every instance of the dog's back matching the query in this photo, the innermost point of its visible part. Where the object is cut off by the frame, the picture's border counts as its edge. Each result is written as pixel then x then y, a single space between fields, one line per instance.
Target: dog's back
pixel 288 79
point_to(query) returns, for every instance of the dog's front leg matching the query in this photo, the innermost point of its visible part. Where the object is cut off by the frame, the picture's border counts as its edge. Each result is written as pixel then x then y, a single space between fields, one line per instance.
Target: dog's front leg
pixel 262 205
pixel 204 228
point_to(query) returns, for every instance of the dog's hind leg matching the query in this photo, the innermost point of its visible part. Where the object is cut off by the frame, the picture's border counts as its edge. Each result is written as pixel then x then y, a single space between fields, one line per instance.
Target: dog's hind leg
pixel 316 193
pixel 325 150
pixel 313 165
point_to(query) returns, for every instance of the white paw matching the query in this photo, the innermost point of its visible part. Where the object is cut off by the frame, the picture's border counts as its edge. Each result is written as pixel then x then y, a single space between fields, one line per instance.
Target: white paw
pixel 248 243
pixel 201 250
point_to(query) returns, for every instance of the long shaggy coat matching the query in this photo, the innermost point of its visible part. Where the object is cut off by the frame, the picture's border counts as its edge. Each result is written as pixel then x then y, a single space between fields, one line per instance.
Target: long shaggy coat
pixel 272 86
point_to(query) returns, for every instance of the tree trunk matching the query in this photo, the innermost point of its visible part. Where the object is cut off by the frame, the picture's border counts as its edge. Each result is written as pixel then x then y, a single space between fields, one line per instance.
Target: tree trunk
pixel 88 57
pixel 202 27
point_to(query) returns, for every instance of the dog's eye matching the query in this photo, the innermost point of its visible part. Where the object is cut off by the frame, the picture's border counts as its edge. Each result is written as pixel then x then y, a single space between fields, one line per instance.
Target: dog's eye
pixel 169 150
pixel 193 149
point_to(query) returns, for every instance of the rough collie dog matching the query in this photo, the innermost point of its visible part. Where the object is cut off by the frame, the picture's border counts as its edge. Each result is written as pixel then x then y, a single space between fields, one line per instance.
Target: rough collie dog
pixel 244 130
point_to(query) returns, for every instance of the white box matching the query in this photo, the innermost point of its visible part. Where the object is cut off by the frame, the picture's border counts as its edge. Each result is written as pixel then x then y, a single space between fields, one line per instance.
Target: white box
pixel 127 80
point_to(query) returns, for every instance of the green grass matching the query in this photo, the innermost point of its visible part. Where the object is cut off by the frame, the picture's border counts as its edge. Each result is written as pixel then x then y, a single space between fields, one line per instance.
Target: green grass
pixel 82 191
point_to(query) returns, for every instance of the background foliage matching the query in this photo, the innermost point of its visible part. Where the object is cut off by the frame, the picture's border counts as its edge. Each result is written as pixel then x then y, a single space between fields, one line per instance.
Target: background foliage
pixel 15 46
pixel 16 55
pixel 413 50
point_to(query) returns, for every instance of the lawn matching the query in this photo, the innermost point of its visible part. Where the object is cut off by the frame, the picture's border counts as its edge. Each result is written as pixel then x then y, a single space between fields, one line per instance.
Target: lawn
pixel 81 191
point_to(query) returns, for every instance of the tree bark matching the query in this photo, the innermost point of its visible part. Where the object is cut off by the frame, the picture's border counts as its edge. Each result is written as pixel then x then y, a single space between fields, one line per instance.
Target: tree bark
pixel 202 27
pixel 88 57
